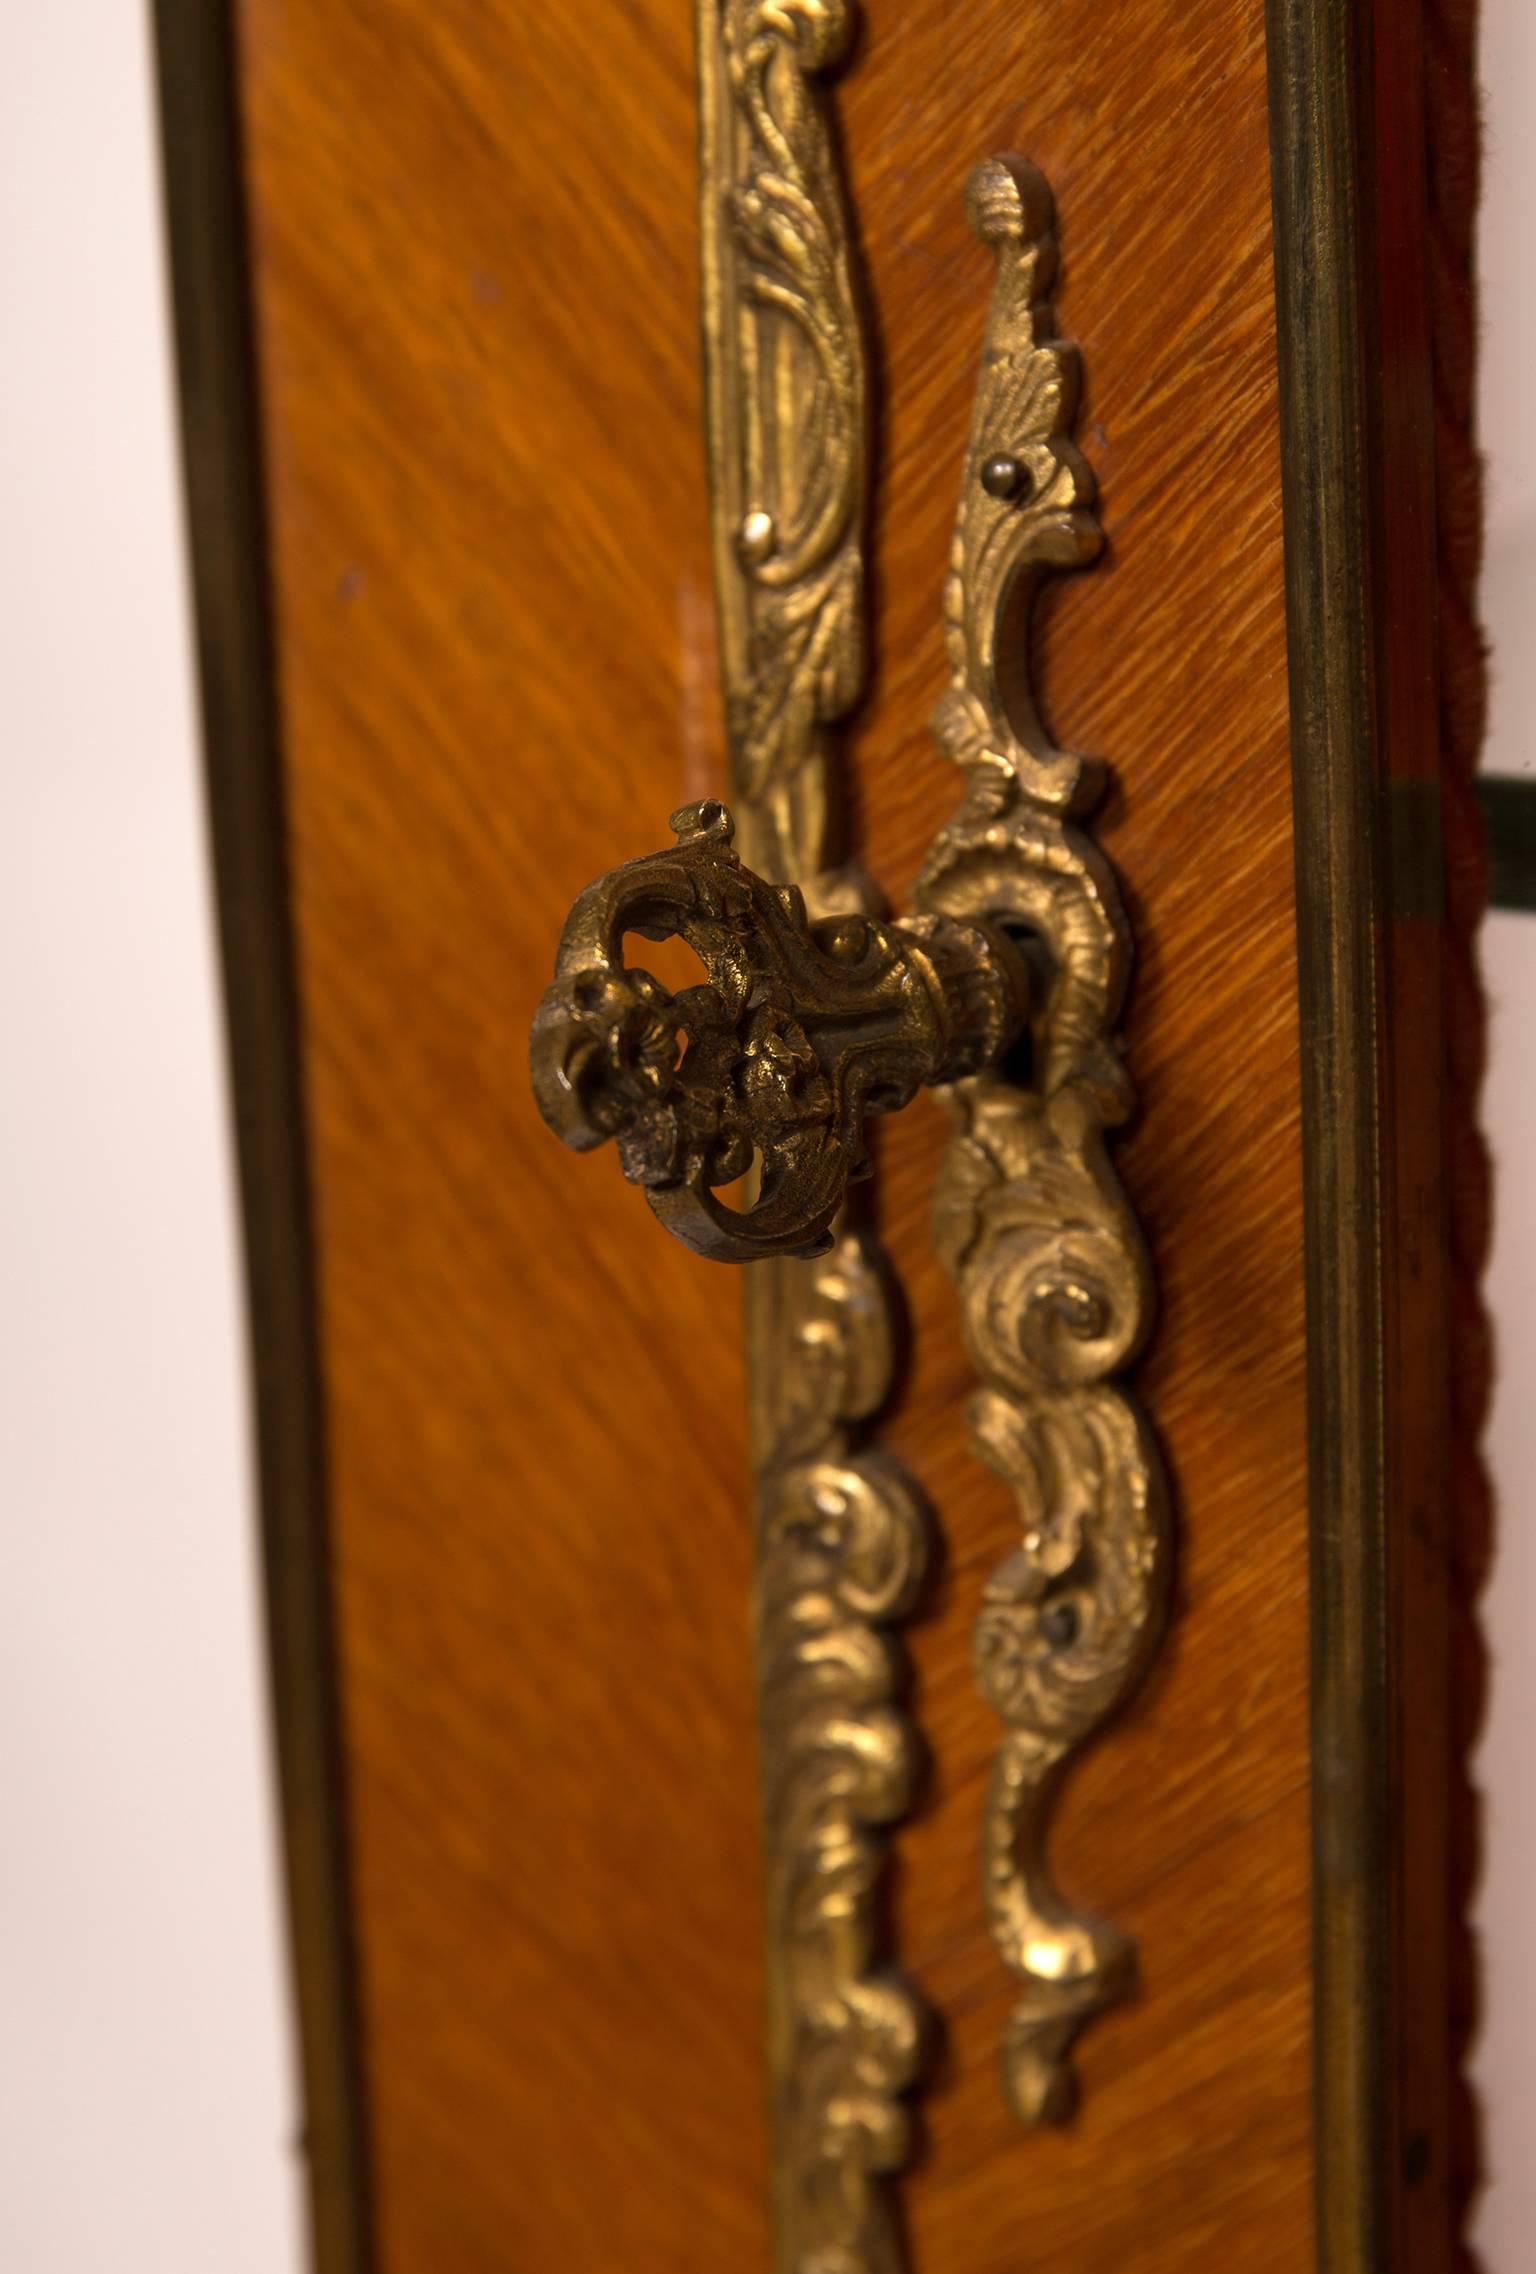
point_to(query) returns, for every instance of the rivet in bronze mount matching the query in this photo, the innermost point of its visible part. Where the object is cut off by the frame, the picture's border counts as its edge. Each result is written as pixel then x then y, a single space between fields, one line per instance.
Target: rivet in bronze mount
pixel 756 538
pixel 1006 478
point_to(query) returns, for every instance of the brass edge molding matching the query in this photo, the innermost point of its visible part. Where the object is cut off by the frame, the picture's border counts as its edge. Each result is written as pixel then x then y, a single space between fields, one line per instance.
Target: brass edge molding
pixel 1316 161
pixel 1054 1281
pixel 841 1551
pixel 786 417
pixel 841 1536
pixel 201 157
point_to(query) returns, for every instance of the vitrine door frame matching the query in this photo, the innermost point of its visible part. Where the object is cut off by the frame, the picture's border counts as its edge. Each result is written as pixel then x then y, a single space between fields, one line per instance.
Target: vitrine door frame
pixel 1369 487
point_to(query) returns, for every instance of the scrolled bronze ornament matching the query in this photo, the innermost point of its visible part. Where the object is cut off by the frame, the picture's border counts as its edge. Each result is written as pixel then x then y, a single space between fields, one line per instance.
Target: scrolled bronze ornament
pixel 1029 1217
pixel 1003 990
pixel 841 1549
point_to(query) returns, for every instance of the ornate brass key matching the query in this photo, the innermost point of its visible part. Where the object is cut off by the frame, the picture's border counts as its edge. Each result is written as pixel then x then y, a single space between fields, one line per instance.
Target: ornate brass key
pixel 800 1031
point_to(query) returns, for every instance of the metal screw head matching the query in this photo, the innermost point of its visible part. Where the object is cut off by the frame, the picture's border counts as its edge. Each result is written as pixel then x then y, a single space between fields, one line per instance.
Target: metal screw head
pixel 756 538
pixel 1005 477
pixel 846 939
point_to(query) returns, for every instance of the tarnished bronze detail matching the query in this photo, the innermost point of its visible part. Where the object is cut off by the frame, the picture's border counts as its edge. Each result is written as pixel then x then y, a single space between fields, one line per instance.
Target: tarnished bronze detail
pixel 1054 1282
pixel 788 444
pixel 841 1548
pixel 801 1030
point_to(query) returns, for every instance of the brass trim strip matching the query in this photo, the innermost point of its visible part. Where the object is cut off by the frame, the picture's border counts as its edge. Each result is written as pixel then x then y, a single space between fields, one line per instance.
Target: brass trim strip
pixel 221 455
pixel 1315 157
pixel 841 1534
pixel 786 415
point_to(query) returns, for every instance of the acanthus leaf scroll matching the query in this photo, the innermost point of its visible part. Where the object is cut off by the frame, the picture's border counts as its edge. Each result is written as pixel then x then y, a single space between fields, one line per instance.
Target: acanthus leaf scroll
pixel 1029 1216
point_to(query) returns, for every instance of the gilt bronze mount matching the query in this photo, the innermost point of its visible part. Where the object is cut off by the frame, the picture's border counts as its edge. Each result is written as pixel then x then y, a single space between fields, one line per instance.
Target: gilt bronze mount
pixel 1002 991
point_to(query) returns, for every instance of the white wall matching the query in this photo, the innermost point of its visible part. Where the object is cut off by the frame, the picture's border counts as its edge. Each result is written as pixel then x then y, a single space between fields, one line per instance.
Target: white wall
pixel 1506 2056
pixel 147 2088
pixel 1506 2062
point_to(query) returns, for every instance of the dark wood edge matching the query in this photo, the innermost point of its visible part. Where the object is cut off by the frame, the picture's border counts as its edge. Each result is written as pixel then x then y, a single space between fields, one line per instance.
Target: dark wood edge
pixel 220 431
pixel 1315 162
pixel 1372 113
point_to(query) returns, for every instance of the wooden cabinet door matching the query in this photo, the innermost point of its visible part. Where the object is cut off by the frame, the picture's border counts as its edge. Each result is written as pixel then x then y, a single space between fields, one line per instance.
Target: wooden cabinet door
pixel 515 1550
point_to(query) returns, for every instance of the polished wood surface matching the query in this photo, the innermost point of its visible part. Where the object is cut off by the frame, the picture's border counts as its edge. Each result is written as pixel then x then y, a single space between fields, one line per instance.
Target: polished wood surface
pixel 475 238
